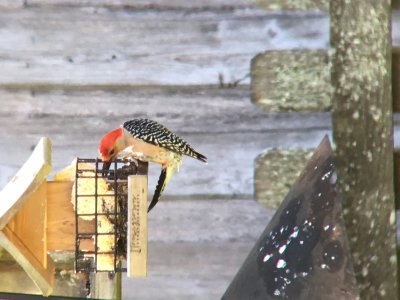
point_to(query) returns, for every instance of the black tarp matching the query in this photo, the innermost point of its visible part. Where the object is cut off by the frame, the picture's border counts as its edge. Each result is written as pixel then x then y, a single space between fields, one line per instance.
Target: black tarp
pixel 303 253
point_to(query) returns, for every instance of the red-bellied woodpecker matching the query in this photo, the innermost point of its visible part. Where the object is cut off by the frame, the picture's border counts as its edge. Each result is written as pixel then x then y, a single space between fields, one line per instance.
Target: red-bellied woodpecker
pixel 150 141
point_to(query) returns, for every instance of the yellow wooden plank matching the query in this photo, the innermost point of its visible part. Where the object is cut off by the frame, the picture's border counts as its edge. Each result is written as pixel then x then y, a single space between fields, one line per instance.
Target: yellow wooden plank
pixel 43 277
pixel 61 217
pixel 29 224
pixel 137 226
pixel 27 180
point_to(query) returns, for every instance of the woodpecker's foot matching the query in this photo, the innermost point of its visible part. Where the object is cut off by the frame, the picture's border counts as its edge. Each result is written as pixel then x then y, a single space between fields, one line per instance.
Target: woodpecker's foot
pixel 133 161
pixel 129 168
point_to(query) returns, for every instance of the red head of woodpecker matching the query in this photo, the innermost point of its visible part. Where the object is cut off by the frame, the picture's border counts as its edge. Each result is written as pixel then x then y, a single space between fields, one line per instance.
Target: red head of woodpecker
pixel 147 140
pixel 111 144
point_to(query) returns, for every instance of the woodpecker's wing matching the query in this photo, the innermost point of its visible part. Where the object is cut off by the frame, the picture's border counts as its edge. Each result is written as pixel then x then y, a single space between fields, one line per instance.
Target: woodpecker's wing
pixel 157 134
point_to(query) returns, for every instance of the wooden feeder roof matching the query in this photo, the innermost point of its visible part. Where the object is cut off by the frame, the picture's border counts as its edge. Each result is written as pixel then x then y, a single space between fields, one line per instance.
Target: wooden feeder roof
pixel 23 213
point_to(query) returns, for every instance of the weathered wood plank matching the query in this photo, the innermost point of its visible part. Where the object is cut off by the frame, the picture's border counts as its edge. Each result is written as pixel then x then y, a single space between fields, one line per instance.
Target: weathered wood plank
pixel 188 235
pixel 299 80
pixel 362 126
pixel 275 171
pixel 105 285
pixel 222 123
pixel 293 5
pixel 59 44
pixel 155 4
pixel 292 80
pixel 187 270
pixel 73 45
pixel 95 110
pixel 302 5
pixel 193 221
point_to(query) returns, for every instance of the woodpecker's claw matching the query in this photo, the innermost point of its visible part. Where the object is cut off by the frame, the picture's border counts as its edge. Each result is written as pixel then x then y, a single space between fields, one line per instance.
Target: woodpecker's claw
pixel 133 161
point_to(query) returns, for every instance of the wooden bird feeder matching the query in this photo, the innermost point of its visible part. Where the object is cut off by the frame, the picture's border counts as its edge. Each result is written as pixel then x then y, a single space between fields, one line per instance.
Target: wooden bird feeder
pixel 100 215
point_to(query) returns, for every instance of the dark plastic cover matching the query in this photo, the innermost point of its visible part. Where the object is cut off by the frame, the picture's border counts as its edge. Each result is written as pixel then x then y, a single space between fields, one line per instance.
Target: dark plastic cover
pixel 303 253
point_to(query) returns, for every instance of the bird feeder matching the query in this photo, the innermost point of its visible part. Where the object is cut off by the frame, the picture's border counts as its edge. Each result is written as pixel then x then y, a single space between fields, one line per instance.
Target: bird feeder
pixel 100 215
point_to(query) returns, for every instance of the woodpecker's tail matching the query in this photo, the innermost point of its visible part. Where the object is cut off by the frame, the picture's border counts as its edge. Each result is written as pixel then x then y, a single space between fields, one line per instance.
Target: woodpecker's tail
pixel 198 156
pixel 164 178
pixel 159 189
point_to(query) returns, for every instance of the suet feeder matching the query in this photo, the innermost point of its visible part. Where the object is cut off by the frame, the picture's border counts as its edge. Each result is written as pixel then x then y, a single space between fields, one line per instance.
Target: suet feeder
pixel 99 214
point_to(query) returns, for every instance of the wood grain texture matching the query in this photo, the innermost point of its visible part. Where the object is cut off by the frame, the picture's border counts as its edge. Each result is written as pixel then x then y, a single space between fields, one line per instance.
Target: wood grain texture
pixel 85 45
pixel 29 224
pixel 104 285
pixel 196 247
pixel 137 226
pixel 61 217
pixel 42 277
pixel 299 80
pixel 275 171
pixel 221 123
pixel 179 237
pixel 362 128
pixel 292 80
pixel 26 181
pixel 159 4
pixel 293 5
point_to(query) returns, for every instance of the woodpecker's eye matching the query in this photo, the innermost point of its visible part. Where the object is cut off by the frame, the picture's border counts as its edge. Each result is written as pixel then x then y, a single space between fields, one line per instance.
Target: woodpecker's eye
pixel 111 152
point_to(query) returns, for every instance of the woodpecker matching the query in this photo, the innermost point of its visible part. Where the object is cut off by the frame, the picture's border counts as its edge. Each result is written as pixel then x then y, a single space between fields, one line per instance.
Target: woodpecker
pixel 147 140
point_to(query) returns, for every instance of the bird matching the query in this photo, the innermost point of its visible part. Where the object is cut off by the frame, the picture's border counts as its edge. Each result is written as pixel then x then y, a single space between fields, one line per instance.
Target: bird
pixel 147 140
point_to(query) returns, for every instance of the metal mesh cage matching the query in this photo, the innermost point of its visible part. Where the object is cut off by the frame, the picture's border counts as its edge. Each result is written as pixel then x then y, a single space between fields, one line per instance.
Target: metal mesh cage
pixel 101 214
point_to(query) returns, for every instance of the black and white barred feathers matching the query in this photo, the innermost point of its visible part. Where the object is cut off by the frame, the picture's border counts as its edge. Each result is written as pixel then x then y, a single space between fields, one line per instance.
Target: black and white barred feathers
pixel 157 134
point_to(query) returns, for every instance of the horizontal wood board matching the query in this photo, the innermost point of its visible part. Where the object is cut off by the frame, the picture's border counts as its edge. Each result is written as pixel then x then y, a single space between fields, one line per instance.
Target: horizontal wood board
pixel 90 45
pixel 155 4
pixel 220 123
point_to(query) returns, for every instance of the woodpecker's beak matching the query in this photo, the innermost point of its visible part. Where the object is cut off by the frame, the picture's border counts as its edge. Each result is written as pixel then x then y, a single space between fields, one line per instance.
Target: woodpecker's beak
pixel 106 165
pixel 106 162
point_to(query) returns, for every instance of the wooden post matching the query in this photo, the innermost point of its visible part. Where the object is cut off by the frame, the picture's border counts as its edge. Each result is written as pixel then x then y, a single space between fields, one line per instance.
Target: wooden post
pixel 106 285
pixel 362 130
pixel 137 223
